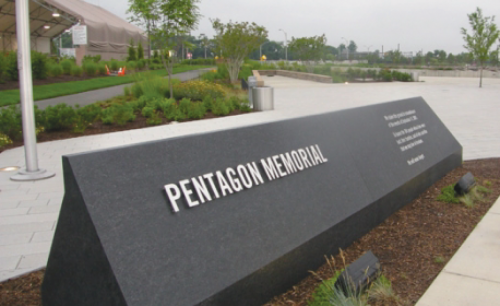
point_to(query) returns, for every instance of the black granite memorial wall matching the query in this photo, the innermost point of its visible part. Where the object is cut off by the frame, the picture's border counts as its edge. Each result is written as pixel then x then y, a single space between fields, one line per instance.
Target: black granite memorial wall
pixel 235 217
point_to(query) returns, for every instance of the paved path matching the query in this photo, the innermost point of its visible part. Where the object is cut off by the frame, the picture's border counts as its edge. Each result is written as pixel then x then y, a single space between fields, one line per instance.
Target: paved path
pixel 29 210
pixel 90 97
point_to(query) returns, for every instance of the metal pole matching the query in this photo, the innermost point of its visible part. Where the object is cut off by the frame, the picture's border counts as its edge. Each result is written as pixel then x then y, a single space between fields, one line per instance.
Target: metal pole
pixel 31 172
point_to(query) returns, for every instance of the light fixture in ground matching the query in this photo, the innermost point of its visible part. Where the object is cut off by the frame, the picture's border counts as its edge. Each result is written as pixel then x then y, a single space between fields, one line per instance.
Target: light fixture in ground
pixel 46 27
pixel 55 14
pixel 9 168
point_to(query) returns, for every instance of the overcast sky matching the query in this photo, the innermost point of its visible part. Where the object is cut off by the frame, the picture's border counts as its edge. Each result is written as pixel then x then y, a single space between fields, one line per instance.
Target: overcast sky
pixel 415 25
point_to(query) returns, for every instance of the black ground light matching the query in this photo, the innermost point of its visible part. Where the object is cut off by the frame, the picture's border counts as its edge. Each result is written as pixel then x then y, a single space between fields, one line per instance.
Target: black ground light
pixel 465 184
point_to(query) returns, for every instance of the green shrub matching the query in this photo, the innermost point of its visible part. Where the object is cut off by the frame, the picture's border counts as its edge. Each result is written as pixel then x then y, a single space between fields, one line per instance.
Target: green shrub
pixel 132 65
pixel 235 102
pixel 184 106
pixel 11 68
pixel 324 292
pixel 10 122
pixel 119 114
pixel 55 70
pixel 39 65
pixel 209 76
pixel 66 65
pixel 197 90
pixel 76 71
pixel 85 116
pixel 58 117
pixel 140 51
pixel 155 119
pixel 136 90
pixel 385 75
pixel 101 69
pixel 126 91
pixel 114 65
pixel 90 68
pixel 196 110
pixel 207 103
pixel 148 112
pixel 4 140
pixel 245 72
pixel 141 64
pixel 172 111
pixel 219 107
pixel 96 59
pixel 222 72
pixel 151 85
pixel 3 67
pixel 131 51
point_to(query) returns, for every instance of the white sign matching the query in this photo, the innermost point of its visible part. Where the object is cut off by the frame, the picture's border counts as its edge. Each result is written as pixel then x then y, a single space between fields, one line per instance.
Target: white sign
pixel 80 35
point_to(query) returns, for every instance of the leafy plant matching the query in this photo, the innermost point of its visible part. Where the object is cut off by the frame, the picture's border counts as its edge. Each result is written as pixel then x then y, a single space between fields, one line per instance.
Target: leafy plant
pixel 55 70
pixel 90 68
pixel 131 51
pixel 85 116
pixel 448 195
pixel 76 71
pixel 58 117
pixel 39 65
pixel 10 122
pixel 439 259
pixel 12 71
pixel 148 112
pixel 172 111
pixel 155 119
pixel 381 291
pixel 196 111
pixel 4 140
pixel 197 90
pixel 219 107
pixel 66 65
pixel 119 114
pixel 140 51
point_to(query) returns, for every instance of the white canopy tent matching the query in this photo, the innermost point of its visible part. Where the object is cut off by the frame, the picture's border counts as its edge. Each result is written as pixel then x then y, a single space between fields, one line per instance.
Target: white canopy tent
pixel 107 34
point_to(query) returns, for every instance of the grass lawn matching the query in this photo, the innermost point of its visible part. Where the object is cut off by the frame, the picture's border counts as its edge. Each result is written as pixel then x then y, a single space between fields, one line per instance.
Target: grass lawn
pixel 41 92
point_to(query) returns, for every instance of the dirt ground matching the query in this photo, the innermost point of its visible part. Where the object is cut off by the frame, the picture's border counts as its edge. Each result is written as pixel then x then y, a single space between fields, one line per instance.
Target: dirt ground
pixel 413 244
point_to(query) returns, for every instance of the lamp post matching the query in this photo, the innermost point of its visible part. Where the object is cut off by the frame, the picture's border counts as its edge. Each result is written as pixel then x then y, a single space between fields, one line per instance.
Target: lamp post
pixel 346 46
pixel 286 47
pixel 204 43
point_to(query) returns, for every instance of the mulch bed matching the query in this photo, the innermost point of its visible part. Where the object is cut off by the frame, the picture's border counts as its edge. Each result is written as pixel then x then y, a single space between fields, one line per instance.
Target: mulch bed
pixel 413 245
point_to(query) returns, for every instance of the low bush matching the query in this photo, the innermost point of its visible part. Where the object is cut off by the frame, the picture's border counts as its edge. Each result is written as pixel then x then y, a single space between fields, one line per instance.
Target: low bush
pixel 3 67
pixel 119 114
pixel 245 72
pixel 10 122
pixel 58 117
pixel 184 106
pixel 114 65
pixel 39 65
pixel 55 70
pixel 171 110
pixel 101 69
pixel 90 68
pixel 95 59
pixel 148 111
pixel 76 71
pixel 132 65
pixel 196 110
pixel 245 106
pixel 220 107
pixel 85 116
pixel 4 140
pixel 209 76
pixel 155 119
pixel 207 102
pixel 66 65
pixel 197 90
pixel 11 67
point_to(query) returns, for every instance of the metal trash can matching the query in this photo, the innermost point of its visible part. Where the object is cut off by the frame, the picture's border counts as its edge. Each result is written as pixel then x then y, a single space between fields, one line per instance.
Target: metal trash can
pixel 415 76
pixel 252 82
pixel 263 98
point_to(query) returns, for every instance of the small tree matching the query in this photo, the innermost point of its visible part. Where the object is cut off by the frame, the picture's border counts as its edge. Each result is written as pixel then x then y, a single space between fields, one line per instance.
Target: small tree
pixel 235 41
pixel 484 34
pixel 140 51
pixel 308 48
pixel 165 20
pixel 131 51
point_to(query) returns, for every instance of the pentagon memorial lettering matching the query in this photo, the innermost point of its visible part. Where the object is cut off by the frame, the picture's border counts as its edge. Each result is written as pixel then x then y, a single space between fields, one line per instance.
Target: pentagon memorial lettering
pixel 214 185
pixel 238 216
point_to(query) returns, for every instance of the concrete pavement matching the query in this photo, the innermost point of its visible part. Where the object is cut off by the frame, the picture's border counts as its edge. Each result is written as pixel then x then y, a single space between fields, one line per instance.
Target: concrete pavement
pixel 29 210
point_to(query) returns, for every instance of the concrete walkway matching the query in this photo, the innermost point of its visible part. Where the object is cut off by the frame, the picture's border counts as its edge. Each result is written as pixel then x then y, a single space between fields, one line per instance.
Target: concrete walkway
pixel 29 210
pixel 90 97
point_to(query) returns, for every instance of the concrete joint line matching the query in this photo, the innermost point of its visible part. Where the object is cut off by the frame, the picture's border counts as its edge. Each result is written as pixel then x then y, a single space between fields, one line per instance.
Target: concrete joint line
pixel 472 277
